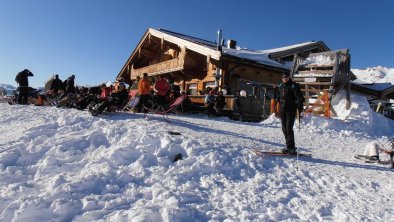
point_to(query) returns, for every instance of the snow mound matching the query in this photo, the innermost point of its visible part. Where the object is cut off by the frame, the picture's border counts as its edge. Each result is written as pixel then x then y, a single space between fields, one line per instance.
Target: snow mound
pixel 360 118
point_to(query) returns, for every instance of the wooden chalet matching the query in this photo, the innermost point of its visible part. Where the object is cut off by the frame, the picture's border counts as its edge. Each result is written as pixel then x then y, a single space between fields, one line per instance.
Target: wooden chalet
pixel 195 64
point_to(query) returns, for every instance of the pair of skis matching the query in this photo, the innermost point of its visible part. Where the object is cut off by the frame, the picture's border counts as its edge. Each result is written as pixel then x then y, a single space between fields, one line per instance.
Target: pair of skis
pixel 368 159
pixel 273 153
pixel 263 153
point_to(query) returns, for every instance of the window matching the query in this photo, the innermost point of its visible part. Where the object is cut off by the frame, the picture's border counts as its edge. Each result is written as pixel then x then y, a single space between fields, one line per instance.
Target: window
pixel 192 89
pixel 247 86
pixel 209 84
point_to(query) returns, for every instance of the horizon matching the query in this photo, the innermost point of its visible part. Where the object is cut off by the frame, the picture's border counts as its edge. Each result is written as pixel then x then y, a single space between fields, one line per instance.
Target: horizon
pixel 94 39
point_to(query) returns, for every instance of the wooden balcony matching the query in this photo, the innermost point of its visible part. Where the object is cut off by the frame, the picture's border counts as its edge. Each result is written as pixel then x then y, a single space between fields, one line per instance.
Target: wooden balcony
pixel 160 68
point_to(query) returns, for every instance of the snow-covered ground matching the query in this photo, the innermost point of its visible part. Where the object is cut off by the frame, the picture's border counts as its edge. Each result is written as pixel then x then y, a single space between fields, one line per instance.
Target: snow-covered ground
pixel 65 165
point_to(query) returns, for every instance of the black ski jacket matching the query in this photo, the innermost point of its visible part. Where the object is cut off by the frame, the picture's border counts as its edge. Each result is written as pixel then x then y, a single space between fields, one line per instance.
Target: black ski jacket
pixel 57 84
pixel 21 78
pixel 69 85
pixel 290 97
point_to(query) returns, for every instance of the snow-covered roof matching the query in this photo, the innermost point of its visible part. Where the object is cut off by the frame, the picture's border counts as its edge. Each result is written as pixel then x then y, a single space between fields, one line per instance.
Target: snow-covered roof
pixel 268 51
pixel 376 74
pixel 257 56
pixel 197 44
pixel 204 42
pixel 209 48
pixel 373 86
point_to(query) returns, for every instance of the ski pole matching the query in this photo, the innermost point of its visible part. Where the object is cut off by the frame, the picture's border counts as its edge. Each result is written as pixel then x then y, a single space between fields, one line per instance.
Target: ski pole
pixel 298 137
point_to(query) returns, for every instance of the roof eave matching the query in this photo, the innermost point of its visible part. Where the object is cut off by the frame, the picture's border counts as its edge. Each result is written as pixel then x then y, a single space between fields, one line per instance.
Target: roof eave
pixel 133 53
pixel 291 51
pixel 254 63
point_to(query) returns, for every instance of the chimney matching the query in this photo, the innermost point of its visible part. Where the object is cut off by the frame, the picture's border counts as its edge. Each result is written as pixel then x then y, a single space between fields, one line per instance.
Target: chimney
pixel 220 38
pixel 231 44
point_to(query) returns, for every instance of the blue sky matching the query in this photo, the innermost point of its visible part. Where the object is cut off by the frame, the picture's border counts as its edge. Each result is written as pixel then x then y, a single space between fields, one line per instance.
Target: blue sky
pixel 93 38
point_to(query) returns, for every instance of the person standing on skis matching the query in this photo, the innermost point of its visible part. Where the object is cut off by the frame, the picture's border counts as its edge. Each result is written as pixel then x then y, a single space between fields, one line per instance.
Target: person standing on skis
pixel 290 100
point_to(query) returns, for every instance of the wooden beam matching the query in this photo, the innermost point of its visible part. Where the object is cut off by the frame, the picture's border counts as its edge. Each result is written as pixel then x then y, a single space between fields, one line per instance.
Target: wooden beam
pixel 316 90
pixel 315 79
pixel 315 83
pixel 306 95
pixel 316 72
pixel 148 52
pixel 312 97
pixel 316 104
pixel 317 65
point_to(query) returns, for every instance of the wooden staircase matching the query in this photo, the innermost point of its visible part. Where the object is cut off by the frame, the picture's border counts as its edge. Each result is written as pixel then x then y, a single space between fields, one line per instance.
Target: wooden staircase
pixel 320 76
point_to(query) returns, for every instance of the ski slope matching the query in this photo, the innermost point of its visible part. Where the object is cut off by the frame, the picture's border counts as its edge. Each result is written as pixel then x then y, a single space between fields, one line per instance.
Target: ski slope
pixel 65 165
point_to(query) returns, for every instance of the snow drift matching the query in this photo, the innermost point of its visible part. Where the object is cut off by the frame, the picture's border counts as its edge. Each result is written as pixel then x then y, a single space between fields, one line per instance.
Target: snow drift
pixel 65 165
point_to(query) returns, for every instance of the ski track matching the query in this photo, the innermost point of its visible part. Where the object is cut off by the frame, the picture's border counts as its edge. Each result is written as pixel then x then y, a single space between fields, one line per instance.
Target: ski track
pixel 63 165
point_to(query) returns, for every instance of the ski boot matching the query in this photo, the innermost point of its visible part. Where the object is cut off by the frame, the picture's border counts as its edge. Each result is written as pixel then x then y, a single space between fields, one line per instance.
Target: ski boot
pixel 289 151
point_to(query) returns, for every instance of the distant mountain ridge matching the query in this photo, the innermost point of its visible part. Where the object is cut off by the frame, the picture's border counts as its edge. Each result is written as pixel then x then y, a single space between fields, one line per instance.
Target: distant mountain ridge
pixel 7 86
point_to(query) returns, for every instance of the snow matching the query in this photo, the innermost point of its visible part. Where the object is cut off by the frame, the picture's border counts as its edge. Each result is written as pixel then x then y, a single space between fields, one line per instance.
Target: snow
pixel 313 75
pixel 376 74
pixel 374 86
pixel 257 56
pixel 318 60
pixel 65 165
pixel 286 47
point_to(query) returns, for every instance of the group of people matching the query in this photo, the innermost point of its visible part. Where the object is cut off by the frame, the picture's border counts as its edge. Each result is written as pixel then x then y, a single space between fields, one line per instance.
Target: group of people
pixel 290 99
pixel 214 101
pixel 57 85
pixel 159 92
pixel 101 98
pixel 54 86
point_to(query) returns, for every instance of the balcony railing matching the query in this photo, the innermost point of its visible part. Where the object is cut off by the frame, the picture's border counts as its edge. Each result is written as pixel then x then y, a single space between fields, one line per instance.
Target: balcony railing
pixel 160 68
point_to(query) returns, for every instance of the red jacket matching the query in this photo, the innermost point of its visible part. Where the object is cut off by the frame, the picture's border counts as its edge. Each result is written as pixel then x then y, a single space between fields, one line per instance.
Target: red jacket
pixel 105 93
pixel 162 87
